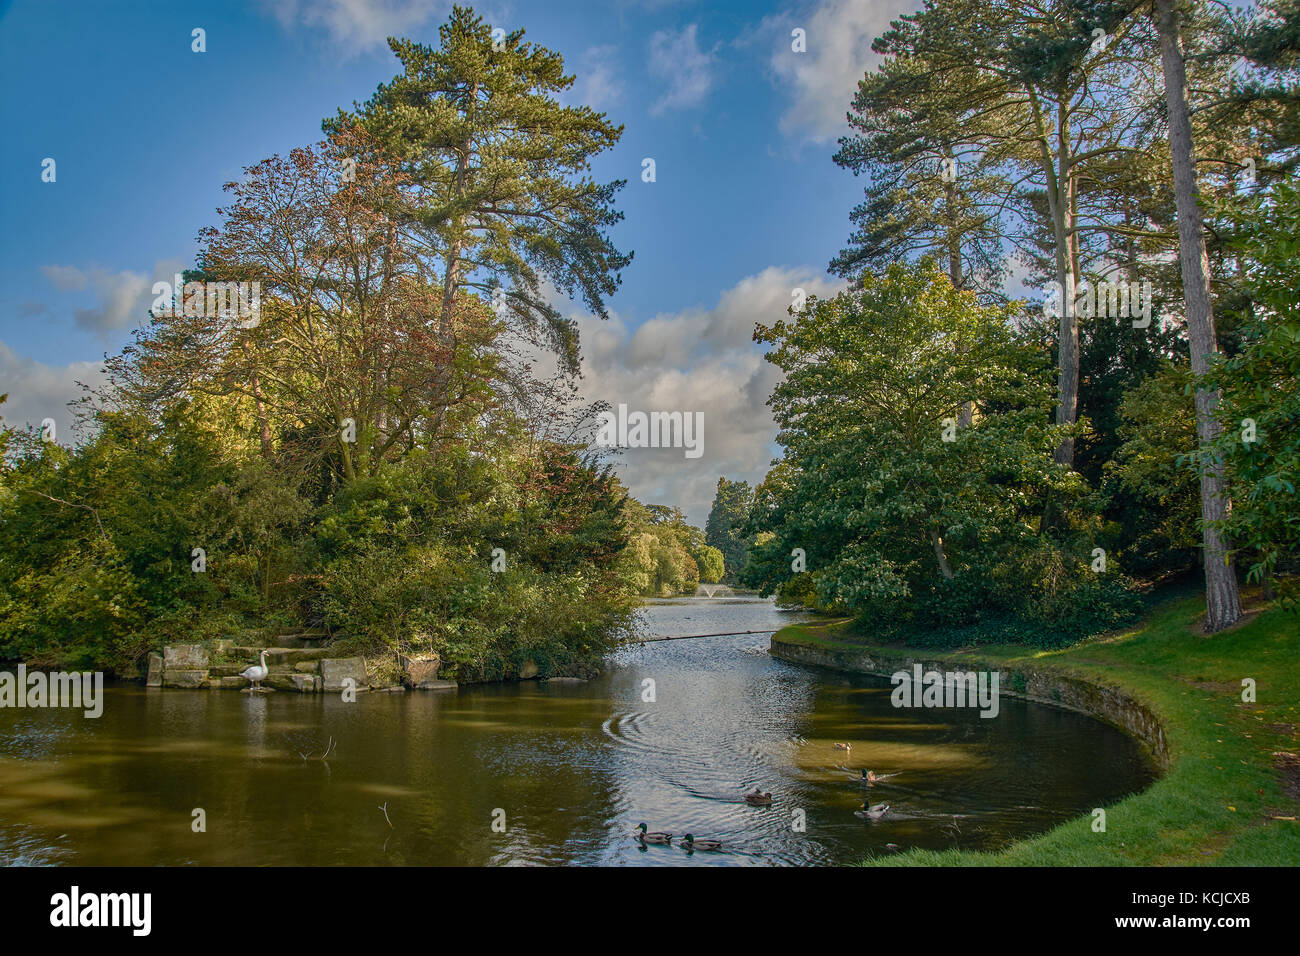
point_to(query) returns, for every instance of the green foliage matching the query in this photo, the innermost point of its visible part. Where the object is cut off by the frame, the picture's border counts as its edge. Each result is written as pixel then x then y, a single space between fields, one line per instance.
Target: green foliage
pixel 499 170
pixel 711 564
pixel 661 557
pixel 99 553
pixel 724 529
pixel 1260 405
pixel 904 518
pixel 1153 497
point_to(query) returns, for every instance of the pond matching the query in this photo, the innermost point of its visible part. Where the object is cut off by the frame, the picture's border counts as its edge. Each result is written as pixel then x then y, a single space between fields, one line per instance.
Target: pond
pixel 549 773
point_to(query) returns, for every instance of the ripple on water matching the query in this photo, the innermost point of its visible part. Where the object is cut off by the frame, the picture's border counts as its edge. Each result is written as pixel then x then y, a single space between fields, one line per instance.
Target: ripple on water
pixel 574 772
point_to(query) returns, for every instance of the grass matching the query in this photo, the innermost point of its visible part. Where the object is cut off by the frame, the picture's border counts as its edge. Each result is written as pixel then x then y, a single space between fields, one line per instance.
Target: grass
pixel 1224 792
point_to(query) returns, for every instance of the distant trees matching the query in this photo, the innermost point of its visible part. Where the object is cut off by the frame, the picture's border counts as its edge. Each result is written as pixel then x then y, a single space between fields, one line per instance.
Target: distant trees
pixel 724 529
pixel 666 553
pixel 711 564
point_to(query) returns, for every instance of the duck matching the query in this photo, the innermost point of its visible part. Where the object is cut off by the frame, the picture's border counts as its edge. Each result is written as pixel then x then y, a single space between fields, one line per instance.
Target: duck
pixel 257 673
pixel 758 798
pixel 872 813
pixel 690 843
pixel 870 776
pixel 652 836
pixel 843 746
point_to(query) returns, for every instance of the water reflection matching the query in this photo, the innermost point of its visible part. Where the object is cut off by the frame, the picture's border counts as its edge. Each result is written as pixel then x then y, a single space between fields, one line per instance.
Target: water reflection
pixel 416 778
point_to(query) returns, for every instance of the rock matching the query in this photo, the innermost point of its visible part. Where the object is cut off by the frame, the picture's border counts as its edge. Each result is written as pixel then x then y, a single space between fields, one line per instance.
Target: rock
pixel 281 680
pixel 335 670
pixel 293 655
pixel 185 657
pixel 307 667
pixel 419 670
pixel 233 683
pixel 566 680
pixel 304 683
pixel 528 671
pixel 395 689
pixel 301 639
pixel 227 670
pixel 436 685
pixel 155 671
pixel 184 677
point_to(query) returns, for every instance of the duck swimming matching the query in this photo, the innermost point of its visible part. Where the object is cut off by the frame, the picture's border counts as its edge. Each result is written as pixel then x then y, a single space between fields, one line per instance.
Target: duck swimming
pixel 843 746
pixel 690 843
pixel 870 776
pixel 652 836
pixel 872 813
pixel 758 798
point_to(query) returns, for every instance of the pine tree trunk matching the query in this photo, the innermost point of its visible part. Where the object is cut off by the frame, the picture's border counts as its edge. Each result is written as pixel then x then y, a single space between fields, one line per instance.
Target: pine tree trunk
pixel 1222 601
pixel 1059 179
pixel 967 413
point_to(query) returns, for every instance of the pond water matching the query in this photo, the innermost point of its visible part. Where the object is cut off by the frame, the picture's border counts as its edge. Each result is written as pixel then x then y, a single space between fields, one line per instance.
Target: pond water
pixel 569 769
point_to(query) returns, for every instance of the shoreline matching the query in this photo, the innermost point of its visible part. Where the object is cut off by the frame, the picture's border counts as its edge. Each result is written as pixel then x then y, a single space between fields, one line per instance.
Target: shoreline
pixel 1228 788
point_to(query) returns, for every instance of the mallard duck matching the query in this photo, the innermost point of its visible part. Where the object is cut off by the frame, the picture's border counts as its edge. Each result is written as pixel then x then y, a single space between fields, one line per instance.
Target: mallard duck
pixel 690 843
pixel 652 836
pixel 872 813
pixel 758 798
pixel 257 673
pixel 870 776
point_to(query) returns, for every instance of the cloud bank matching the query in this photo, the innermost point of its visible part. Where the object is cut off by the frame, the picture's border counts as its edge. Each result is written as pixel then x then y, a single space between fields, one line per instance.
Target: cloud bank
pixel 697 360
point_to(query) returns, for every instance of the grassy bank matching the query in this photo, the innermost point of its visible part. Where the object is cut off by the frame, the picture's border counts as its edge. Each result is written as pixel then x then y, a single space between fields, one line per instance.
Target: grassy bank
pixel 1229 788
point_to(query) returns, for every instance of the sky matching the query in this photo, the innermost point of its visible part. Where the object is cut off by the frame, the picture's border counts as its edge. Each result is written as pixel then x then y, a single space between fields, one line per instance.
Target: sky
pixel 746 205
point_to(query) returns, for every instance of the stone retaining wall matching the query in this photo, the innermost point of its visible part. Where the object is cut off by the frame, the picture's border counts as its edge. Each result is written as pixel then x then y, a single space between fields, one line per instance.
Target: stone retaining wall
pixel 1039 683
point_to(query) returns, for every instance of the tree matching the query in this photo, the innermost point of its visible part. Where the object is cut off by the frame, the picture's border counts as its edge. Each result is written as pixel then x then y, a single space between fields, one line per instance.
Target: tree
pixel 926 195
pixel 901 516
pixel 724 528
pixel 1259 444
pixel 340 363
pixel 1222 601
pixel 1022 88
pixel 497 171
pixel 711 564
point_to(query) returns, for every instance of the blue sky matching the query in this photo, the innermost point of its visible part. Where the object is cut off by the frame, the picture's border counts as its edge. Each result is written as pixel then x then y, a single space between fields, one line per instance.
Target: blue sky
pixel 746 204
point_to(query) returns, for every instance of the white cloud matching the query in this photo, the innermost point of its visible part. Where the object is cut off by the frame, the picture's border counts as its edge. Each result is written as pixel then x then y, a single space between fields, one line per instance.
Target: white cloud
pixel 123 297
pixel 65 278
pixel 597 82
pixel 697 360
pixel 38 391
pixel 822 81
pixel 357 25
pixel 676 58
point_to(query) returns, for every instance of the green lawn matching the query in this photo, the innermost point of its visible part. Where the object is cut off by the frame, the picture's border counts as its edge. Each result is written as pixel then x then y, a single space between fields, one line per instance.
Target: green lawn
pixel 1222 797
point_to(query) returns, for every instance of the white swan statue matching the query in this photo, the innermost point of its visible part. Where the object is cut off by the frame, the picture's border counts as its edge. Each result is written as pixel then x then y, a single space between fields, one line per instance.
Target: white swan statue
pixel 257 673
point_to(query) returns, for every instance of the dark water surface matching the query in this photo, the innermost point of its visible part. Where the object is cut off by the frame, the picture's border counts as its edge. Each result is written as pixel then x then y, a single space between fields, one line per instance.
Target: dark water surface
pixel 574 767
